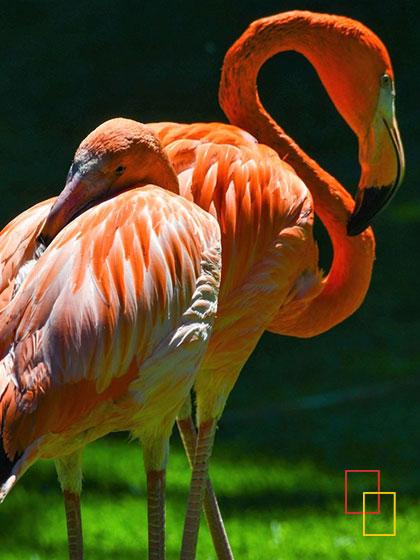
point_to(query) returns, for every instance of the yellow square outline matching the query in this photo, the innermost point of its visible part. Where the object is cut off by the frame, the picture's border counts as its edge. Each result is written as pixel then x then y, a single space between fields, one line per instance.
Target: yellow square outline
pixel 395 516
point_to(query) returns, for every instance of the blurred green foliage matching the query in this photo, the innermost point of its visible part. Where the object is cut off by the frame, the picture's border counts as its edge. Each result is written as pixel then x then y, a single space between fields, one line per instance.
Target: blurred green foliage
pixel 346 399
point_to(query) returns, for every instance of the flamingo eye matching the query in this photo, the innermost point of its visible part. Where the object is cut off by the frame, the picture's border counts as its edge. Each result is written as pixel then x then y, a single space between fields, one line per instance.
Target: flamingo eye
pixel 120 170
pixel 385 80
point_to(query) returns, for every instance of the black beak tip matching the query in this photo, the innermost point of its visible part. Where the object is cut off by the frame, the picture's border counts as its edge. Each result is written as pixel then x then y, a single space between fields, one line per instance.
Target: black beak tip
pixel 356 225
pixel 374 201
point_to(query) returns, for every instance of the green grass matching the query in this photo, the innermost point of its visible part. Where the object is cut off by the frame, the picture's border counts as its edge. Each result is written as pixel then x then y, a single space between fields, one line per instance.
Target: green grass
pixel 273 508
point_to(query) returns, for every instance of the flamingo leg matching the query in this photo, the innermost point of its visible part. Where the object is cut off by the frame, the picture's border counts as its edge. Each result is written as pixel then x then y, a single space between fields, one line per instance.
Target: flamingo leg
pixel 69 470
pixel 204 446
pixel 74 525
pixel 211 507
pixel 156 513
pixel 155 457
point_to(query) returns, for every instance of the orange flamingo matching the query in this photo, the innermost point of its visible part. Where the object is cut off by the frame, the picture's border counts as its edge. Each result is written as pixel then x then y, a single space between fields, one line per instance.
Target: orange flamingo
pixel 270 278
pixel 105 329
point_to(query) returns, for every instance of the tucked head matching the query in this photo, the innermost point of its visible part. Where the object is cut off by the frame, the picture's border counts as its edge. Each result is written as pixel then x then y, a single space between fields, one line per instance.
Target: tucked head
pixel 119 154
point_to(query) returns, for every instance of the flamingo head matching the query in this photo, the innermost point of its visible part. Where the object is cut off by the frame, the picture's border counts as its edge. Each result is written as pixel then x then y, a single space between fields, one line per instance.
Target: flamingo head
pixel 355 68
pixel 119 154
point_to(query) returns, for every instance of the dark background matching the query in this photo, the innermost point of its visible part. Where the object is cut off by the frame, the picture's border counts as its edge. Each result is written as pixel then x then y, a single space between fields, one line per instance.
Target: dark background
pixel 348 398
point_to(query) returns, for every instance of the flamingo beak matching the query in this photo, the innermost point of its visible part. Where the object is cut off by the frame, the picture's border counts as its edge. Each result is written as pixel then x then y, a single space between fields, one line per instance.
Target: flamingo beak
pixel 383 166
pixel 78 193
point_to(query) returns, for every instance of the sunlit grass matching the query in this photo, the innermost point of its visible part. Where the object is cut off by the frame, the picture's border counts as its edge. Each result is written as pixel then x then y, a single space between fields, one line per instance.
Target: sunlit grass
pixel 273 509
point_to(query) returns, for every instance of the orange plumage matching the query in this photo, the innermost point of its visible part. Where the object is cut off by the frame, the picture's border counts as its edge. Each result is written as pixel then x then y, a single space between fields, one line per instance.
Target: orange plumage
pixel 269 256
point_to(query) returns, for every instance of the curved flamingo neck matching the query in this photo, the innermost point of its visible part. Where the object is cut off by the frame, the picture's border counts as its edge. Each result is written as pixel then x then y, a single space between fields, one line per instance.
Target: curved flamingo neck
pixel 348 280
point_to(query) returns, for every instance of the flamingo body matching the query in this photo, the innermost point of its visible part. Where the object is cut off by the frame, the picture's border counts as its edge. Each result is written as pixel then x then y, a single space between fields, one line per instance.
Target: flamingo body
pixel 109 326
pixel 270 259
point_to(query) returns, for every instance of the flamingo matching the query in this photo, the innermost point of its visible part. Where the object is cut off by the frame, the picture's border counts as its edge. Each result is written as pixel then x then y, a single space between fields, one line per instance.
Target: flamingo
pixel 106 326
pixel 262 288
pixel 270 275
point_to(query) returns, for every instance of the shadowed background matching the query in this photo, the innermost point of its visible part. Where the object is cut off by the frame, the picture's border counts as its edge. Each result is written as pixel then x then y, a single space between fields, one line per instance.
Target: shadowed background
pixel 303 410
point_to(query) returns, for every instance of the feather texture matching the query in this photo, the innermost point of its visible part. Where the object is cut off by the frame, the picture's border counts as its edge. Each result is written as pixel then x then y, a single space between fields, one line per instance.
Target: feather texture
pixel 85 338
pixel 265 213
